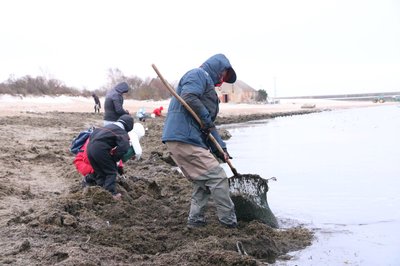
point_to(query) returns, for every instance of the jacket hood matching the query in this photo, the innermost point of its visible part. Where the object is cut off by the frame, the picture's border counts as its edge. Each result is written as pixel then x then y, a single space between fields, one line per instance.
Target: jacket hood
pixel 215 65
pixel 127 121
pixel 122 87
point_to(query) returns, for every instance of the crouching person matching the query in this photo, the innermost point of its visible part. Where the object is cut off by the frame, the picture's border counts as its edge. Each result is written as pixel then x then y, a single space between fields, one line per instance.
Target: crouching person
pixel 106 147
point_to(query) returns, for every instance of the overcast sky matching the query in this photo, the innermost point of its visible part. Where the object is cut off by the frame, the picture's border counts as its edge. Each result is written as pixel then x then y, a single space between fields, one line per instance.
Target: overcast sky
pixel 308 47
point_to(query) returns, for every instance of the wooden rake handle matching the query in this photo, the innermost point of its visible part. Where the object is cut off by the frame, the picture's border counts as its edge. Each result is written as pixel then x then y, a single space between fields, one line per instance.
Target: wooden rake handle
pixel 195 116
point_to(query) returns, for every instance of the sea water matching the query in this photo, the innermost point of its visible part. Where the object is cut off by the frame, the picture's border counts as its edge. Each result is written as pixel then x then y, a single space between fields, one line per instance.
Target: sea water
pixel 338 174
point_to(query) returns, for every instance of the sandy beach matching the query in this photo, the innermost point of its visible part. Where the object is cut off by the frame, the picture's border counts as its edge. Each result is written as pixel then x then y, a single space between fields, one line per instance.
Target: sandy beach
pixel 13 105
pixel 46 218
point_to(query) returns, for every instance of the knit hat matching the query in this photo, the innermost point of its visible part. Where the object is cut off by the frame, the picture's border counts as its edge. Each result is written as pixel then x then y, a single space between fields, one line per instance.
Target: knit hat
pixel 127 121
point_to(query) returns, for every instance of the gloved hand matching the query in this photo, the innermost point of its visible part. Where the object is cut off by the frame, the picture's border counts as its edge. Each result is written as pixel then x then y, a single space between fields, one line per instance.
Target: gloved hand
pixel 113 151
pixel 206 130
pixel 121 170
pixel 224 156
pixel 227 154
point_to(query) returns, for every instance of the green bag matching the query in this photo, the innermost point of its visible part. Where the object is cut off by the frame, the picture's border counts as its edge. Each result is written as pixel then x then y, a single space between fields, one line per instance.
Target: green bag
pixel 129 154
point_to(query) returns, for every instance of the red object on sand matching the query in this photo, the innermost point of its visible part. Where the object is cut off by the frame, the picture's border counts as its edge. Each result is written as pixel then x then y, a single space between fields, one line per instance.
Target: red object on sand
pixel 157 111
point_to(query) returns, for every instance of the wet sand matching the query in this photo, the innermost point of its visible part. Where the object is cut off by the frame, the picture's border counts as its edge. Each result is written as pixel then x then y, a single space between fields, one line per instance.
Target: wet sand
pixel 47 218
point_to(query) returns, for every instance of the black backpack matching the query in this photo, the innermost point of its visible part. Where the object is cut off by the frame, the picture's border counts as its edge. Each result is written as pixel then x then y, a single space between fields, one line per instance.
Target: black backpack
pixel 78 141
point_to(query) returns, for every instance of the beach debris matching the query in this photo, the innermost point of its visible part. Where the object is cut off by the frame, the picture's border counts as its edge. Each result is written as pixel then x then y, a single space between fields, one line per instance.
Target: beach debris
pixel 240 248
pixel 26 245
pixel 308 105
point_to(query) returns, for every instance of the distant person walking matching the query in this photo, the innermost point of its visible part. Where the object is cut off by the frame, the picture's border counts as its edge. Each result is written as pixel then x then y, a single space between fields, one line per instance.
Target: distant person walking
pixel 113 104
pixel 97 104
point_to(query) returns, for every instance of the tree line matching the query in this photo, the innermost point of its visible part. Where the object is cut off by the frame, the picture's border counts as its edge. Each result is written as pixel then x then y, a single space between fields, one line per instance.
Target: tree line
pixel 141 89
pixel 38 86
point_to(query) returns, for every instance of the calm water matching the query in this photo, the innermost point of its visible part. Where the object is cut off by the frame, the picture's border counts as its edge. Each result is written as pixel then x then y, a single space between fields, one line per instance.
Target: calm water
pixel 338 173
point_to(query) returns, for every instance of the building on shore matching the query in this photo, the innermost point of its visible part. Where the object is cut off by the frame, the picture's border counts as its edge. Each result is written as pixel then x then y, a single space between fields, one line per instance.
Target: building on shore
pixel 238 92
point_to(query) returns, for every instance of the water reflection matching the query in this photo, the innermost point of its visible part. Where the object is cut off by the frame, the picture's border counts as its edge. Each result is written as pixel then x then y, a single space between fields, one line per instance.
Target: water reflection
pixel 337 173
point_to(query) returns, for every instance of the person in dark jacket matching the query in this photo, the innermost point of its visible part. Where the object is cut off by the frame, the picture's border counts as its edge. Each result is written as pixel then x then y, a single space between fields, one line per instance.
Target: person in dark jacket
pixel 97 104
pixel 106 147
pixel 187 141
pixel 113 104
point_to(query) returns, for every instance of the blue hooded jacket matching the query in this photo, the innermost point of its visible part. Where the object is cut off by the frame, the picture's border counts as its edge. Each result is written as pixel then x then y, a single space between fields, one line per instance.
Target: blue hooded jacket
pixel 197 89
pixel 113 104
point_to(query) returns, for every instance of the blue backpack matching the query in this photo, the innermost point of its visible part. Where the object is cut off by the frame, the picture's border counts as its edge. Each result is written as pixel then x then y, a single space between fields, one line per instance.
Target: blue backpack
pixel 78 141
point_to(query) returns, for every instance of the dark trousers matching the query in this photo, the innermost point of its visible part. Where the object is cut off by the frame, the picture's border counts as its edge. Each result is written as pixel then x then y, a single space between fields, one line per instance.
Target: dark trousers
pixel 104 167
pixel 97 108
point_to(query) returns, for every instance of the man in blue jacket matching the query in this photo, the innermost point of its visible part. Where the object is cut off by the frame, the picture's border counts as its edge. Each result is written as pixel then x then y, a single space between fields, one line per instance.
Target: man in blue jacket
pixel 113 104
pixel 187 141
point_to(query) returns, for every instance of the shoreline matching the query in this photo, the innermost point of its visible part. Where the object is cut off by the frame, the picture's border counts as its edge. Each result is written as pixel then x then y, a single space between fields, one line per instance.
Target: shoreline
pixel 16 105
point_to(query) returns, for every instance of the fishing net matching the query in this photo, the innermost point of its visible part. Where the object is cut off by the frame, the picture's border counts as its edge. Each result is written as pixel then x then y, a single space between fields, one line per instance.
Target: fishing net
pixel 249 194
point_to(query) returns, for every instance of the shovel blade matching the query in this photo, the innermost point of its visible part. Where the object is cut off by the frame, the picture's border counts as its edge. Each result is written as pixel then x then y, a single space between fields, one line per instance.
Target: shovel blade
pixel 249 194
